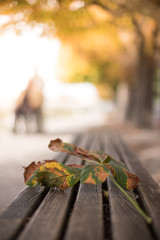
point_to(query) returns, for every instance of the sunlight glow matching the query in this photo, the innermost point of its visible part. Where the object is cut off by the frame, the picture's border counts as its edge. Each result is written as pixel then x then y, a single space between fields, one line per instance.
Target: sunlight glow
pixel 4 19
pixel 21 56
pixel 75 5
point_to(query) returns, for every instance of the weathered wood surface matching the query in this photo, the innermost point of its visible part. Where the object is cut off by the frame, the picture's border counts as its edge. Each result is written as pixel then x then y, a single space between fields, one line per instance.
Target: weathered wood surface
pixel 87 217
pixel 126 222
pixel 15 216
pixel 78 213
pixel 14 219
pixel 148 189
pixel 49 219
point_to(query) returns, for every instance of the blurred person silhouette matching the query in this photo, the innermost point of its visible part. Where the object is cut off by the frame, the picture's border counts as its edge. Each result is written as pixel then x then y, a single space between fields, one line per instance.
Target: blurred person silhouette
pixel 29 107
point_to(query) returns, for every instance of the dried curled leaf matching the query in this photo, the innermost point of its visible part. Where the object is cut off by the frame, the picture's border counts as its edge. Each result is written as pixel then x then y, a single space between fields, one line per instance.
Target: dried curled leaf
pixel 58 146
pixel 31 170
pixel 59 175
pixel 52 173
pixel 132 180
pixel 97 174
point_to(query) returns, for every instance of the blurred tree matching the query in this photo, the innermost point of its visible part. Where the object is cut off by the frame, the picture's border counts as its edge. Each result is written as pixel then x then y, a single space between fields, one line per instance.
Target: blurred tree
pixel 147 38
pixel 98 62
pixel 107 33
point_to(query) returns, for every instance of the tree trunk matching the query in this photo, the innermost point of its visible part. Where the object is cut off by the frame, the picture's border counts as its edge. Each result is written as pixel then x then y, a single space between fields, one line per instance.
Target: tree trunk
pixel 141 91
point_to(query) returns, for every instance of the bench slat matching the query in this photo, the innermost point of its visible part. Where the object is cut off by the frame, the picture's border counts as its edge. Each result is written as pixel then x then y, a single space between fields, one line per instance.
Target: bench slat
pixel 68 215
pixel 87 218
pixel 49 219
pixel 126 222
pixel 15 216
pixel 148 189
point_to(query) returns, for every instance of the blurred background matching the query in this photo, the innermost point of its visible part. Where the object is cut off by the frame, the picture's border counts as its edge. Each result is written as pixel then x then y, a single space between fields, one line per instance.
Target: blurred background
pixel 68 66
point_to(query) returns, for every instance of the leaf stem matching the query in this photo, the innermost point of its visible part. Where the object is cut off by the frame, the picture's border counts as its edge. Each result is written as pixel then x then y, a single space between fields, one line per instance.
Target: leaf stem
pixel 142 213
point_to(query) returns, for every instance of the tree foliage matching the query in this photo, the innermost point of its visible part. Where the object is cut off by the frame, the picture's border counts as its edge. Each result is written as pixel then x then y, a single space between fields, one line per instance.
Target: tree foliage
pixel 117 41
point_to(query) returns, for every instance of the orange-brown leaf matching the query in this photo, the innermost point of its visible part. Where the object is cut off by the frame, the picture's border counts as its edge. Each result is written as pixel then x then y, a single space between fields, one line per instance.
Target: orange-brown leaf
pixel 31 168
pixel 58 146
pixel 132 180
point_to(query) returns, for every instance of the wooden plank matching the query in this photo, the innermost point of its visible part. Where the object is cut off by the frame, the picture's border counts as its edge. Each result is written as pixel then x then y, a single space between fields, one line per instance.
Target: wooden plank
pixel 12 220
pixel 87 217
pixel 148 189
pixel 15 216
pixel 126 222
pixel 49 219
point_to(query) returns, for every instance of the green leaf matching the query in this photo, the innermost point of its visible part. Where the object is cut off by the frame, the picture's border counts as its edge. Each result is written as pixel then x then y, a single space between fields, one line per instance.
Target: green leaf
pixel 125 178
pixel 58 174
pixel 103 157
pixel 143 214
pixel 94 174
pixel 31 170
pixel 107 159
pixel 119 175
pixel 114 163
pixel 51 173
pixel 32 181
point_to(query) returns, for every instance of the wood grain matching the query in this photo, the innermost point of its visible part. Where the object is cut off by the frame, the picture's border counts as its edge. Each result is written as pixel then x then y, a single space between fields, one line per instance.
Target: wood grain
pixel 87 217
pixel 15 216
pixel 67 215
pixel 49 219
pixel 148 189
pixel 12 220
pixel 126 222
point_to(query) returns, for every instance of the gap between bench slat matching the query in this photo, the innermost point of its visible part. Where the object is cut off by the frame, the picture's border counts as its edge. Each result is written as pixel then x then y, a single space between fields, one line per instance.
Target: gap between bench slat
pixel 49 220
pixel 87 218
pixel 14 217
pixel 126 222
pixel 148 189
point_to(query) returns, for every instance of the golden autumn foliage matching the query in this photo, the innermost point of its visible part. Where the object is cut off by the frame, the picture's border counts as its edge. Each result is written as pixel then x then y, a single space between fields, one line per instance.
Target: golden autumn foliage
pixel 112 41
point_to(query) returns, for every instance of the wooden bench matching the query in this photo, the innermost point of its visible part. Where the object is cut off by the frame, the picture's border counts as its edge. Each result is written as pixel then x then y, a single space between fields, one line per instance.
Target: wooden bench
pixel 83 212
